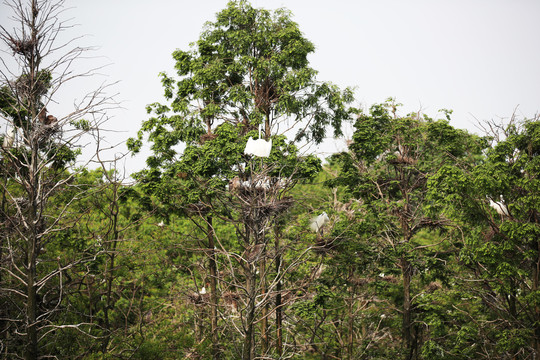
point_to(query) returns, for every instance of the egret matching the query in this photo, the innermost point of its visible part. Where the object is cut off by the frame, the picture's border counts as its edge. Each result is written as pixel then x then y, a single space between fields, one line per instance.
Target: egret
pixel 8 139
pixel 259 147
pixel 319 221
pixel 499 206
pixel 262 183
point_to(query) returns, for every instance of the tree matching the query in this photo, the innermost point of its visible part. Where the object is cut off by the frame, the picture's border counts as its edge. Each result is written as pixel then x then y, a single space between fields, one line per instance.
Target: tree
pixel 248 69
pixel 35 159
pixel 387 167
pixel 496 205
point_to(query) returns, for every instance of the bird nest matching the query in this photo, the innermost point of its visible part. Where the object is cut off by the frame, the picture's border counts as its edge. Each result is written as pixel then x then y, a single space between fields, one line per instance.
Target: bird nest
pixel 198 208
pixel 198 298
pixel 207 137
pixel 324 245
pixel 22 46
pixel 264 208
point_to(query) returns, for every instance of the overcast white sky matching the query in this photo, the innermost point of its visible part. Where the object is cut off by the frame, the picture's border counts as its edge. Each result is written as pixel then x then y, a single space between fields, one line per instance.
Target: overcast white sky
pixel 480 58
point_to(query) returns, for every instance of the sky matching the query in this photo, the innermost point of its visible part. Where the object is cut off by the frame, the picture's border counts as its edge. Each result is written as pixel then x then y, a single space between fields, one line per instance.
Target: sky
pixel 480 58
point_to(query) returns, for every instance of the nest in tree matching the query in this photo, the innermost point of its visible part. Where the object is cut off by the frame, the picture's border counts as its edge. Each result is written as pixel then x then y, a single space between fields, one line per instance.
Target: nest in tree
pixel 279 205
pixel 230 296
pixel 27 88
pixel 253 253
pixel 198 208
pixel 390 279
pixel 489 234
pixel 21 202
pixel 323 244
pixel 433 286
pixel 432 223
pixel 198 298
pixel 264 208
pixel 231 300
pixel 45 132
pixel 207 137
pixel 403 160
pixel 260 184
pixel 24 47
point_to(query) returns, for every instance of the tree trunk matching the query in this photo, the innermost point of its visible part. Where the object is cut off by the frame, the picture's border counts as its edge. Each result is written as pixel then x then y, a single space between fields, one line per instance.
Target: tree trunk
pixel 279 319
pixel 213 289
pixel 31 258
pixel 32 187
pixel 247 351
pixel 350 345
pixel 535 283
pixel 407 331
pixel 109 273
pixel 31 306
pixel 267 132
pixel 264 320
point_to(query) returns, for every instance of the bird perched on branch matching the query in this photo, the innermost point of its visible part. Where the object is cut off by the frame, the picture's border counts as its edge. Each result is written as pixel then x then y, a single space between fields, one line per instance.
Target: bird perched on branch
pixel 46 119
pixel 499 206
pixel 8 139
pixel 259 147
pixel 319 221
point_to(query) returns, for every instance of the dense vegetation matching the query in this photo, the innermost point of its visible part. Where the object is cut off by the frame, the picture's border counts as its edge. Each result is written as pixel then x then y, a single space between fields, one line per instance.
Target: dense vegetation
pixel 421 241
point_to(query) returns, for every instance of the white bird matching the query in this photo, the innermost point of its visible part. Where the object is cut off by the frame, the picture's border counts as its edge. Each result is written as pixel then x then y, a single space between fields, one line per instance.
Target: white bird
pixel 283 182
pixel 499 206
pixel 8 139
pixel 203 291
pixel 319 221
pixel 262 183
pixel 259 147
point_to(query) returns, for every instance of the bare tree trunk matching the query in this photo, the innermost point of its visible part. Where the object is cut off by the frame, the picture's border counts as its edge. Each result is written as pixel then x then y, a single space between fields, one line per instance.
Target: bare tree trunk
pixel 31 305
pixel 110 271
pixel 32 188
pixel 34 221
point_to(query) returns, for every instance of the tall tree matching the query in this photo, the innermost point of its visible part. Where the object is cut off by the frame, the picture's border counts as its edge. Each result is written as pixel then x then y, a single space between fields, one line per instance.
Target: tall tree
pixel 387 167
pixel 248 70
pixel 37 151
pixel 496 204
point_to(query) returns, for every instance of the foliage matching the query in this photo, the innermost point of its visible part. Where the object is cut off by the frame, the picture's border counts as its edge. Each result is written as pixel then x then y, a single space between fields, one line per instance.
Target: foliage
pixel 501 250
pixel 210 253
pixel 390 161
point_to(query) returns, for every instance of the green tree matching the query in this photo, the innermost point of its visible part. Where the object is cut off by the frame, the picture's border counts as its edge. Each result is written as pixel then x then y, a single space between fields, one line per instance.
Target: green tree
pixel 496 204
pixel 248 69
pixel 387 167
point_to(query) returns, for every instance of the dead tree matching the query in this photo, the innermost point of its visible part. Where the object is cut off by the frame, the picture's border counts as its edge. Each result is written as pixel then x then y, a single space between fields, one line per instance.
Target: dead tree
pixel 36 167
